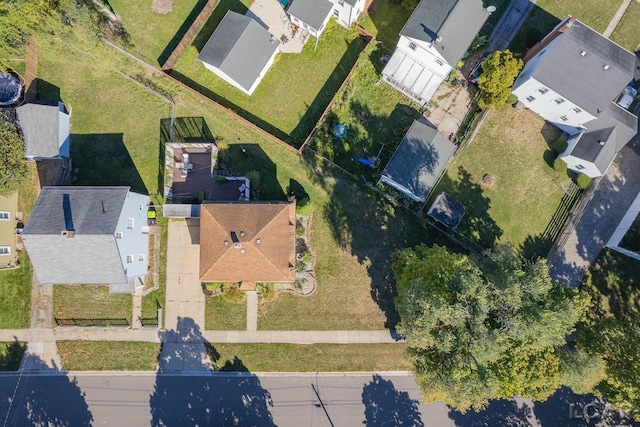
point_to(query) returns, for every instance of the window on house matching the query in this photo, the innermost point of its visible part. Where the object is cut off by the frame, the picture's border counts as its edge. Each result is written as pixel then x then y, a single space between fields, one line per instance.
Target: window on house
pixel 542 90
pixel 4 215
pixel 129 223
pixel 564 118
pixel 530 98
pixel 412 46
pixel 5 250
pixel 579 167
pixel 336 13
pixel 439 62
pixel 577 110
pixel 341 2
pixel 141 257
pixel 129 259
pixel 119 235
pixel 559 100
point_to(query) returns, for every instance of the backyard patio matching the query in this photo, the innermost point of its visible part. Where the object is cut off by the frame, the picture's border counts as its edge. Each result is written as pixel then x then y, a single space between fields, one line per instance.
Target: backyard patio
pixel 190 168
pixel 271 15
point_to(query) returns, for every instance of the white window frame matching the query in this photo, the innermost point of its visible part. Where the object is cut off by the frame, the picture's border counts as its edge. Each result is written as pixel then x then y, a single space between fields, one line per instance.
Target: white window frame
pixel 564 118
pixel 439 62
pixel 5 250
pixel 542 90
pixel 559 100
pixel 130 223
pixel 119 234
pixel 530 98
pixel 577 110
pixel 141 257
pixel 129 259
pixel 580 167
pixel 412 46
pixel 5 215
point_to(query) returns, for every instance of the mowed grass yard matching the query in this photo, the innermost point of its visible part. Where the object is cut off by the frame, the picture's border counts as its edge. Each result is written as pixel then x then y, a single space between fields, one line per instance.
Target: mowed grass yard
pixel 91 302
pixel 225 315
pixel 108 355
pixel 294 92
pixel 626 33
pixel 509 191
pixel 152 34
pixel 374 114
pixel 308 358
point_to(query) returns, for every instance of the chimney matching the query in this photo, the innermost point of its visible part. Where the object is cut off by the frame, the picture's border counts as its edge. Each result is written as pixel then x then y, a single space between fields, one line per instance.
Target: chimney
pixel 438 40
pixel 67 233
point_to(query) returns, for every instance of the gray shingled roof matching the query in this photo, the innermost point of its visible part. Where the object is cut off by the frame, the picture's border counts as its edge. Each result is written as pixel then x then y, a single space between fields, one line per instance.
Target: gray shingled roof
pixel 457 22
pixel 91 255
pixel 41 126
pixel 418 161
pixel 447 210
pixel 240 47
pixel 312 12
pixel 582 78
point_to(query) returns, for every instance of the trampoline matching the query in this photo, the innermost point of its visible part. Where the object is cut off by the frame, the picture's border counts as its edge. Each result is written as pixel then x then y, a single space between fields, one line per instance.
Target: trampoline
pixel 10 89
pixel 339 131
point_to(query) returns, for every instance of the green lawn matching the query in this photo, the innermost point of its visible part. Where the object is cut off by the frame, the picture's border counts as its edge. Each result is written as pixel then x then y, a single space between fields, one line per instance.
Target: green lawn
pixel 294 92
pixel 108 355
pixel 151 301
pixel 385 20
pixel 614 286
pixel 308 358
pixel 91 302
pixel 15 295
pixel 11 355
pixel 520 192
pixel 374 115
pixel 223 315
pixel 153 35
pixel 626 33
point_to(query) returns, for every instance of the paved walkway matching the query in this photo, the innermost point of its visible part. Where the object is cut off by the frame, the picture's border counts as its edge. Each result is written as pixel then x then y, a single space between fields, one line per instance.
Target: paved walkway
pixel 616 18
pixel 583 237
pixel 252 311
pixel 137 308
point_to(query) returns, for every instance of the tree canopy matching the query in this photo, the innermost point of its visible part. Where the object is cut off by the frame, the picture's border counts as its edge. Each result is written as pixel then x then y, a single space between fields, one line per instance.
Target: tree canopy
pixel 14 167
pixel 499 71
pixel 486 328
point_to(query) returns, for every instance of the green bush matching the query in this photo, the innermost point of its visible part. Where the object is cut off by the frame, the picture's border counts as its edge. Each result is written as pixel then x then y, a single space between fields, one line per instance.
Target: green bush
pixel 304 206
pixel 559 165
pixel 583 181
pixel 232 293
pixel 560 145
pixel 300 282
pixel 213 286
pixel 267 290
pixel 512 99
pixel 300 230
pixel 306 257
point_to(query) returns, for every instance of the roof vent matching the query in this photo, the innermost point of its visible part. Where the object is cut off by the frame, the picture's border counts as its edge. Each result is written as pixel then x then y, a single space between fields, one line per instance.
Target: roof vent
pixel 242 251
pixel 236 245
pixel 226 243
pixel 438 40
pixel 242 234
pixel 606 67
pixel 583 53
pixel 258 241
pixel 601 141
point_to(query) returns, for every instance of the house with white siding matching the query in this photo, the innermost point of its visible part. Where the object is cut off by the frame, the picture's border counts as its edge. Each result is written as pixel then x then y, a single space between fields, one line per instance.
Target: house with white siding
pixel 313 15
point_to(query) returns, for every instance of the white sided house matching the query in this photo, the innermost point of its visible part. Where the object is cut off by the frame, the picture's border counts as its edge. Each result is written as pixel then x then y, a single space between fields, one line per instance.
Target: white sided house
pixel 313 15
pixel 89 235
pixel 577 80
pixel 240 51
pixel 431 43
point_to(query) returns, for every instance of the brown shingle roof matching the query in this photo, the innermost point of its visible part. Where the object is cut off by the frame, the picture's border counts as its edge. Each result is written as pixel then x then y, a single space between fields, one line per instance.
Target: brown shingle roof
pixel 271 260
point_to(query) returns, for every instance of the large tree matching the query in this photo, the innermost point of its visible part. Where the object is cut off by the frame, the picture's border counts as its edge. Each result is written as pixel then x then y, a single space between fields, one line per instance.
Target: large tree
pixel 14 168
pixel 486 328
pixel 499 71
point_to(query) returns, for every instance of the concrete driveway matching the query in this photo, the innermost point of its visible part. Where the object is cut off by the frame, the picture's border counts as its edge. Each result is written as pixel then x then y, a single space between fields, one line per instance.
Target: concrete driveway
pixel 582 239
pixel 184 292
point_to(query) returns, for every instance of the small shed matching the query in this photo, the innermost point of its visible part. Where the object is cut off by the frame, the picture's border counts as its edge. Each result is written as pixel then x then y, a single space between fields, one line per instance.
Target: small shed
pixel 419 161
pixel 447 210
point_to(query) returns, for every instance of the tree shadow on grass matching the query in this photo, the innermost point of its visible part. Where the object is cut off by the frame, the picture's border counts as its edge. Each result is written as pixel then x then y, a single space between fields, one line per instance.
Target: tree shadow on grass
pixel 384 405
pixel 537 25
pixel 54 399
pixel 12 356
pixel 103 159
pixel 175 40
pixel 204 400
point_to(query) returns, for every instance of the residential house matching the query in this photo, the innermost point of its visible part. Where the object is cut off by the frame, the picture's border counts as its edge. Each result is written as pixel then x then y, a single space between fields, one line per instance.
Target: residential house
pixel 247 242
pixel 240 51
pixel 575 79
pixel 313 15
pixel 8 224
pixel 431 43
pixel 89 235
pixel 45 126
pixel 419 161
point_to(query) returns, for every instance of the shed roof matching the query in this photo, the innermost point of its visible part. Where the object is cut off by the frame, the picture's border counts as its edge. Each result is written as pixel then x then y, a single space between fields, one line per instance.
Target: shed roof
pixel 447 210
pixel 252 241
pixel 45 125
pixel 240 47
pixel 418 161
pixel 312 12
pixel 455 22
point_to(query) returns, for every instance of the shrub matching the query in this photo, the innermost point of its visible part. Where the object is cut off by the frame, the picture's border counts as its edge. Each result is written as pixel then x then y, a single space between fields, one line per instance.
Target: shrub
pixel 300 282
pixel 267 290
pixel 213 286
pixel 583 181
pixel 300 267
pixel 512 99
pixel 304 206
pixel 560 145
pixel 559 165
pixel 306 257
pixel 300 230
pixel 232 293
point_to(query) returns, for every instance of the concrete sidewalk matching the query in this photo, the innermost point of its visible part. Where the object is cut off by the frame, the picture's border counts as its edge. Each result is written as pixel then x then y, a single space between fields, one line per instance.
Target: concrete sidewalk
pixel 616 18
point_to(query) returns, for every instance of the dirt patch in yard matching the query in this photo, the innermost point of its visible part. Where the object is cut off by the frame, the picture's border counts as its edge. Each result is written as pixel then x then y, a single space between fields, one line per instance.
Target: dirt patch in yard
pixel 488 180
pixel 162 6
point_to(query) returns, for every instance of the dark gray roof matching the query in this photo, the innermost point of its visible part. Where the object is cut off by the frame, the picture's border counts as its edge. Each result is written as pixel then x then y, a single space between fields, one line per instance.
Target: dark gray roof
pixel 87 210
pixel 447 210
pixel 240 47
pixel 419 160
pixel 41 125
pixel 457 22
pixel 312 12
pixel 582 78
pixel 616 127
pixel 91 256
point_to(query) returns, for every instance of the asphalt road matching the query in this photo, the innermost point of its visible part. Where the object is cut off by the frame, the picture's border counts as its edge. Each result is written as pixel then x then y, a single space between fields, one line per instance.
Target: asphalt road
pixel 250 400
